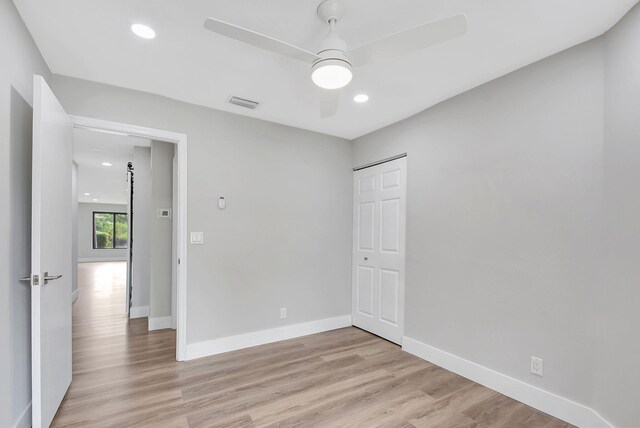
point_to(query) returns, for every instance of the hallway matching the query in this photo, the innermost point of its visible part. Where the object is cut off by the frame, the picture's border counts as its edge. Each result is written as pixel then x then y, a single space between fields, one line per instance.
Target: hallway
pixel 113 356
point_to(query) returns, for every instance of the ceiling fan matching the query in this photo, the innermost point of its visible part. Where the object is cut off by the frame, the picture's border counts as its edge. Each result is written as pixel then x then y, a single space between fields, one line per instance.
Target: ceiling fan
pixel 332 65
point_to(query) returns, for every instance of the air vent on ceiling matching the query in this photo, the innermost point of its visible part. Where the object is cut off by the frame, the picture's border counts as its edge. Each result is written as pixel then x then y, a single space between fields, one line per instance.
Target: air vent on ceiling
pixel 244 103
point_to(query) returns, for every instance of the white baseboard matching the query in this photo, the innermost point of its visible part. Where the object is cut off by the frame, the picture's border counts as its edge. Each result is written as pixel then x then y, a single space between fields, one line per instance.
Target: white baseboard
pixel 24 420
pixel 159 323
pixel 232 343
pixel 139 312
pixel 74 295
pixel 545 401
pixel 102 259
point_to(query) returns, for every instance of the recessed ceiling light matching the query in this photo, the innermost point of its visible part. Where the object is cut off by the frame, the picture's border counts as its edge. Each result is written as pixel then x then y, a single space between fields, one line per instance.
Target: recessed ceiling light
pixel 106 164
pixel 87 194
pixel 95 199
pixel 361 98
pixel 143 31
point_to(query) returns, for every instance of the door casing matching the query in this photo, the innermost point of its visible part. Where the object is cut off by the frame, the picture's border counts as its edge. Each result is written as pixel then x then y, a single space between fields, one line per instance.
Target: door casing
pixel 180 140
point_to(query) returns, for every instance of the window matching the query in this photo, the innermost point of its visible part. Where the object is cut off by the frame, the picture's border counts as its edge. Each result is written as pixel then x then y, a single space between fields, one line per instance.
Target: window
pixel 110 230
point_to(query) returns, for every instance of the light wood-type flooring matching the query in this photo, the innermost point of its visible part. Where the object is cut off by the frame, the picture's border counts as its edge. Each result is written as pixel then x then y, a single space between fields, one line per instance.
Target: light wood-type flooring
pixel 124 376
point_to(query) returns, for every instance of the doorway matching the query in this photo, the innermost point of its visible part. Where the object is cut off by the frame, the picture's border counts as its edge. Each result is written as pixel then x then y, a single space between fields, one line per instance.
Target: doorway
pixel 111 197
pixel 175 210
pixel 379 228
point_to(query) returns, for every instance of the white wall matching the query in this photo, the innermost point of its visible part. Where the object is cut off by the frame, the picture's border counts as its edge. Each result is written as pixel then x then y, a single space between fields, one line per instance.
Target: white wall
pixel 86 252
pixel 619 293
pixel 285 237
pixel 20 60
pixel 504 220
pixel 161 229
pixel 141 262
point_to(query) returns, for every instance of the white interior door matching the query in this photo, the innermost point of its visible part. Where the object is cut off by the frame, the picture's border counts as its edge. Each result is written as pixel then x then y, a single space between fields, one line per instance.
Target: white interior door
pixel 51 261
pixel 379 223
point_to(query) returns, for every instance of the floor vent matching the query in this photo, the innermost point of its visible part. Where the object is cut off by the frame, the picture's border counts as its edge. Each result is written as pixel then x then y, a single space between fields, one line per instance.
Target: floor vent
pixel 244 103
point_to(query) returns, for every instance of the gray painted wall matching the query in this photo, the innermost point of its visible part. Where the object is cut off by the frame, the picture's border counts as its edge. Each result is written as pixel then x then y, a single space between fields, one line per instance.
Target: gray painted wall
pixel 86 252
pixel 284 239
pixel 20 60
pixel 504 220
pixel 619 293
pixel 161 229
pixel 141 263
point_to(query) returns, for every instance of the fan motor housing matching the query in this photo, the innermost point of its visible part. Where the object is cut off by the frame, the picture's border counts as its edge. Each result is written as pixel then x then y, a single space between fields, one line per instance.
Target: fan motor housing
pixel 332 47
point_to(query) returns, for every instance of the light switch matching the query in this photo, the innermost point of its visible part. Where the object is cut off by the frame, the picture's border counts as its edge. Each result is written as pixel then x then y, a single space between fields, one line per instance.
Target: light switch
pixel 222 202
pixel 197 238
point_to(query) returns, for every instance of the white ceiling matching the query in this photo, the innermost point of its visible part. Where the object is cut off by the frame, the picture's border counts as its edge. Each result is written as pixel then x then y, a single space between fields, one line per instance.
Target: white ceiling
pixel 92 40
pixel 106 184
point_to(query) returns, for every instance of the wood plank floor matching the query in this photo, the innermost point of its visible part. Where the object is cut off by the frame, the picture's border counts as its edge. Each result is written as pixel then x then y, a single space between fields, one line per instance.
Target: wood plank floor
pixel 124 376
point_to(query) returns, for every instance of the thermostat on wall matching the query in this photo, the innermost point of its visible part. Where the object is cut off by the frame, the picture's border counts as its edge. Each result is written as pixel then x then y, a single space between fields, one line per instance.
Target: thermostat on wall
pixel 163 213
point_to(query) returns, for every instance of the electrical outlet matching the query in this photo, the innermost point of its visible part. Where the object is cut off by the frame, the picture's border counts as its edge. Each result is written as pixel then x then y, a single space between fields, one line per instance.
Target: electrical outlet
pixel 283 313
pixel 536 366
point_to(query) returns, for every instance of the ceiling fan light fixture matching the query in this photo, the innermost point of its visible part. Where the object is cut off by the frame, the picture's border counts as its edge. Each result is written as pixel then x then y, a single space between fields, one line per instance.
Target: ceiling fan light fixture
pixel 331 74
pixel 332 62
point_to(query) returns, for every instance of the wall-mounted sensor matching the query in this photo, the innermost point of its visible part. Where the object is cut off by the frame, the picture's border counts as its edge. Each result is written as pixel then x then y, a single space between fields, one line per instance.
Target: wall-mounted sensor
pixel 163 213
pixel 222 203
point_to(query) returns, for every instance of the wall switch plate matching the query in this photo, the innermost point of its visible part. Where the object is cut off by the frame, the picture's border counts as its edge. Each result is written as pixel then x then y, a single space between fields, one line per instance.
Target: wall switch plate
pixel 536 366
pixel 197 238
pixel 283 313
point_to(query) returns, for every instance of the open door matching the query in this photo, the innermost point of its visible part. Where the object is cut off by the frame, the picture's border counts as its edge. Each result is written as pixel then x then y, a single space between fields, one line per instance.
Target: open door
pixel 51 261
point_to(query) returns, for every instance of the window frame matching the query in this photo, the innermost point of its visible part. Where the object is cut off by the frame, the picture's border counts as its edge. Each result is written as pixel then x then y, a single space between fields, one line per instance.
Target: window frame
pixel 94 242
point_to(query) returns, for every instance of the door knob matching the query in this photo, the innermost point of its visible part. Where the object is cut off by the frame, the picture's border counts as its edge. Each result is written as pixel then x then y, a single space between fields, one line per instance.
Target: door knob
pixel 366 258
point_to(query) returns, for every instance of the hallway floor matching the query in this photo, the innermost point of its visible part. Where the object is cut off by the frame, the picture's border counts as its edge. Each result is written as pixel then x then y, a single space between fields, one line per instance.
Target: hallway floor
pixel 124 376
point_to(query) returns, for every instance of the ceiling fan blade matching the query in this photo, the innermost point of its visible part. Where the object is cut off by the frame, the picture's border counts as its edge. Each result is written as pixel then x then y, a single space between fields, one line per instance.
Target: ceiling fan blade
pixel 259 40
pixel 329 100
pixel 410 40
